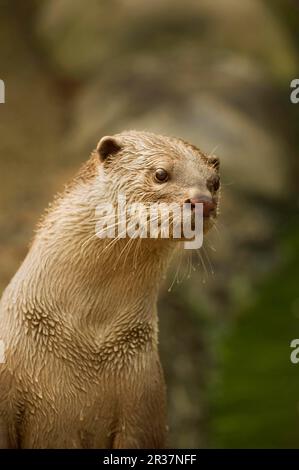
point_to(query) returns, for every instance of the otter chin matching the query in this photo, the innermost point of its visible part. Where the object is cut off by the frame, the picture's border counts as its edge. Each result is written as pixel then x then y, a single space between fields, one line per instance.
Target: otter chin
pixel 79 319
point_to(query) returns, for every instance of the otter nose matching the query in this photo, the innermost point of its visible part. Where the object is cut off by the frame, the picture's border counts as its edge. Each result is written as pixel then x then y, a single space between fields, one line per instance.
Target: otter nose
pixel 208 204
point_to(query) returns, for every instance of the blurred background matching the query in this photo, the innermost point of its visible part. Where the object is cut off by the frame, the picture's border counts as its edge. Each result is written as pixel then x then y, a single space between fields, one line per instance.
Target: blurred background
pixel 217 74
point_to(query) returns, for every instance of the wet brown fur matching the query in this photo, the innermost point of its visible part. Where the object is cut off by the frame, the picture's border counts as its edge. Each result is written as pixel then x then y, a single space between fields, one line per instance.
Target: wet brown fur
pixel 79 321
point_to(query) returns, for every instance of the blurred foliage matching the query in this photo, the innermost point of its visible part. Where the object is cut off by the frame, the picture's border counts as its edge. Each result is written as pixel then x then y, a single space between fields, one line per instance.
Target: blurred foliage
pixel 254 393
pixel 255 398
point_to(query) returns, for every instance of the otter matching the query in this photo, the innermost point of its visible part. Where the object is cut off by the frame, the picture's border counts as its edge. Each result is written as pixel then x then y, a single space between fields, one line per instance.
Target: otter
pixel 79 319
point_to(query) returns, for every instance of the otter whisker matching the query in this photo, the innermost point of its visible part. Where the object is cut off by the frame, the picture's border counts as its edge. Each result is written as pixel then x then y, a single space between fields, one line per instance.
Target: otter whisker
pixel 122 251
pixel 208 260
pixel 190 265
pixel 216 228
pixel 176 274
pixel 214 149
pixel 203 264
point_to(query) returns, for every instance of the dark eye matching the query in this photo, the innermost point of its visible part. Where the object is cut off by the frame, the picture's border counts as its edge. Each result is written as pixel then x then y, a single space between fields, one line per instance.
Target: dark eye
pixel 213 183
pixel 161 175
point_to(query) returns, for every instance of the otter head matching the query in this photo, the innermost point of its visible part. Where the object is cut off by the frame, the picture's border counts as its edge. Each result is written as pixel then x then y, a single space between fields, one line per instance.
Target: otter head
pixel 149 168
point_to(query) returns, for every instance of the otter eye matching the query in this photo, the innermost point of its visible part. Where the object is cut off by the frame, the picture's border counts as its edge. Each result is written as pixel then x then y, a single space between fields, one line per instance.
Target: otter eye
pixel 213 183
pixel 161 175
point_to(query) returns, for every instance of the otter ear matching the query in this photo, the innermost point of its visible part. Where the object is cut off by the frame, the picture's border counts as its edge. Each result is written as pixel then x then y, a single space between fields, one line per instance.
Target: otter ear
pixel 214 161
pixel 108 146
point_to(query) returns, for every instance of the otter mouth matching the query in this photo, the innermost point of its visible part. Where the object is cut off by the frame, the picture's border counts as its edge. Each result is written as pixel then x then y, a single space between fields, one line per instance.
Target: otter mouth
pixel 211 213
pixel 207 222
pixel 208 209
pixel 207 216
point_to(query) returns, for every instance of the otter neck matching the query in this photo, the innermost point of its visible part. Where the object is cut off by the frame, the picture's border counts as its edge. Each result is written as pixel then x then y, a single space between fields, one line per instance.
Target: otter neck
pixel 95 285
